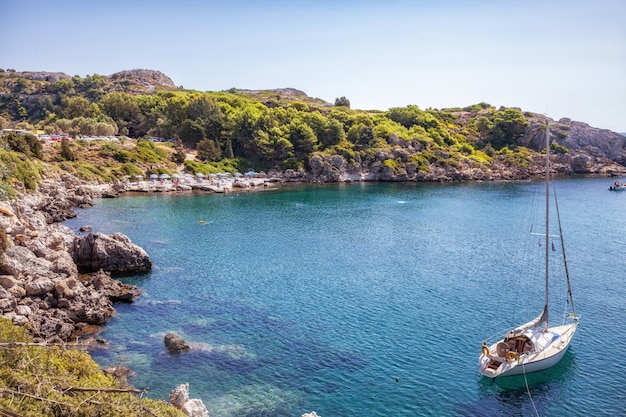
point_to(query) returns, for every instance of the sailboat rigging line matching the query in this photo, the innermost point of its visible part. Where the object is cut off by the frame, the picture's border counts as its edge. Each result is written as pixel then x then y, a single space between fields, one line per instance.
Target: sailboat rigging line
pixel 547 217
pixel 558 218
pixel 528 391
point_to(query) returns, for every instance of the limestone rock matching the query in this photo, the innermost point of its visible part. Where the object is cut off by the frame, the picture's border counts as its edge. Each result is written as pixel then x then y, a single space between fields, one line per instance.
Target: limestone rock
pixel 195 408
pixel 113 289
pixel 57 210
pixel 7 301
pixel 179 398
pixel 121 373
pixel 39 287
pixel 39 283
pixel 175 343
pixel 115 253
pixel 63 264
pixel 17 260
pixel 149 79
pixel 51 325
pixel 7 281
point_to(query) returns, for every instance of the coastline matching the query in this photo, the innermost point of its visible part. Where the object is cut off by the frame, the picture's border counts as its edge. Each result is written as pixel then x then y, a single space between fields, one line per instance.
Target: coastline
pixel 35 220
pixel 57 284
pixel 48 272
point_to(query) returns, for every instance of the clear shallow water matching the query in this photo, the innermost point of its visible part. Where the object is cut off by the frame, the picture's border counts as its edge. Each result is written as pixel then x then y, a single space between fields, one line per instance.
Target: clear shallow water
pixel 318 298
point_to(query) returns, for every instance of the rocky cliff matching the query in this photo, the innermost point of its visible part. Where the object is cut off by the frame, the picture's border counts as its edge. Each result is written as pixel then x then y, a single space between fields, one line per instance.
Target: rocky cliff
pixel 40 283
pixel 132 81
pixel 577 137
pixel 148 79
pixel 589 151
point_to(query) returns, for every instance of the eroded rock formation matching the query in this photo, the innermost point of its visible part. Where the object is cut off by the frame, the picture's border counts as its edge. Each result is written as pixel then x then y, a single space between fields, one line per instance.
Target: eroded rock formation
pixel 40 283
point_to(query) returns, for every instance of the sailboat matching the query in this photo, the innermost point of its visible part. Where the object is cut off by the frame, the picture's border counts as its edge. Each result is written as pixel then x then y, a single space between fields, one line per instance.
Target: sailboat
pixel 536 345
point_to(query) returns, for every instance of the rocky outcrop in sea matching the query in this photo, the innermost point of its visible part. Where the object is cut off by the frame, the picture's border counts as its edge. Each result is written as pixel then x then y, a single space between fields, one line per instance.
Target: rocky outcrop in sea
pixel 53 282
pixel 179 398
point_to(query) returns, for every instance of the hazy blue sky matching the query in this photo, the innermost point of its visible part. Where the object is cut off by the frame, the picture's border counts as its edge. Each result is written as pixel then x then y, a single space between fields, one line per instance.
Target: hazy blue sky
pixel 562 58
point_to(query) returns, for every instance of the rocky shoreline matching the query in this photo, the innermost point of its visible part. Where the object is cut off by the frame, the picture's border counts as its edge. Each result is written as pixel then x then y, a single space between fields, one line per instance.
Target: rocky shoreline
pixel 59 284
pixel 55 283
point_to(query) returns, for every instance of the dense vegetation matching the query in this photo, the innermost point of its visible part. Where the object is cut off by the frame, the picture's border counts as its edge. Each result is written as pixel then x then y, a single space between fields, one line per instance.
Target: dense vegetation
pixel 265 130
pixel 62 381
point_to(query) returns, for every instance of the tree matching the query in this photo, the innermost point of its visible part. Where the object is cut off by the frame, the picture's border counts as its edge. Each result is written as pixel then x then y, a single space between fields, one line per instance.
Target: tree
pixel 17 143
pixel 208 150
pixel 66 151
pixel 76 107
pixel 333 133
pixel 361 134
pixel 502 128
pixel 412 115
pixel 302 137
pixel 273 146
pixel 191 132
pixel 179 154
pixel 124 110
pixel 243 131
pixel 342 102
pixel 36 148
pixel 203 109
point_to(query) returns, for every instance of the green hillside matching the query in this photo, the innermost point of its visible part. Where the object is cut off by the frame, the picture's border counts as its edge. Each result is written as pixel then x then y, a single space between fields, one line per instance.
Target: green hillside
pixel 236 129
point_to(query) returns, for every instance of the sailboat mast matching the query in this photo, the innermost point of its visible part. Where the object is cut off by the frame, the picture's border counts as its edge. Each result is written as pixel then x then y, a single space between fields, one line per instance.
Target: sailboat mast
pixel 547 215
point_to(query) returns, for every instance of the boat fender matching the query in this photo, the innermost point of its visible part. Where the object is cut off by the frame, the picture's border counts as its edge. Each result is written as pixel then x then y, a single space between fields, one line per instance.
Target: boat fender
pixel 485 350
pixel 512 356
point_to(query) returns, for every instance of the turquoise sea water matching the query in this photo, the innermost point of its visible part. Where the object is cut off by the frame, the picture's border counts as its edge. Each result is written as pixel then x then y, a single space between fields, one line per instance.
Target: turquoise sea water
pixel 366 299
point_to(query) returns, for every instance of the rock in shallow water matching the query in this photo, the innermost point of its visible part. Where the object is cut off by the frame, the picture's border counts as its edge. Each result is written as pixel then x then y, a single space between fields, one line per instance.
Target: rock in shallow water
pixel 175 343
pixel 179 398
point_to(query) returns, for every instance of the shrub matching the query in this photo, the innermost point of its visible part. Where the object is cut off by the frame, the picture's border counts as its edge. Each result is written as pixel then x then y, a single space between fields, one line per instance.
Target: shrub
pixel 560 149
pixel 122 156
pixel 127 169
pixel 43 381
pixel 66 151
pixel 146 151
pixel 390 163
pixel 14 167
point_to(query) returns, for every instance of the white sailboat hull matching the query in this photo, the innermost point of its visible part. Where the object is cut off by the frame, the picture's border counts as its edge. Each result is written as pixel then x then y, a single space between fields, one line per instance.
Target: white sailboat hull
pixel 492 365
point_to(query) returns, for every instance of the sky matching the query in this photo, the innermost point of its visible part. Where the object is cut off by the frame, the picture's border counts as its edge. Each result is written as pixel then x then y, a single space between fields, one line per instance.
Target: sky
pixel 561 58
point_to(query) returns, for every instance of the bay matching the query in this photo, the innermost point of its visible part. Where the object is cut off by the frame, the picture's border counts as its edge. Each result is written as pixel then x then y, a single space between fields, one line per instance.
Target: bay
pixel 364 299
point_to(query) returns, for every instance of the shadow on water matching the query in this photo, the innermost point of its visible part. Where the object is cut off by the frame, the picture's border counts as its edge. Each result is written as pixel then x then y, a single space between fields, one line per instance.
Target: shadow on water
pixel 511 396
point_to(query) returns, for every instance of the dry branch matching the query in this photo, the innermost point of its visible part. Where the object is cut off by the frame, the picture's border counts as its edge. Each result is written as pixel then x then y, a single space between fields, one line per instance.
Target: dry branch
pixel 79 389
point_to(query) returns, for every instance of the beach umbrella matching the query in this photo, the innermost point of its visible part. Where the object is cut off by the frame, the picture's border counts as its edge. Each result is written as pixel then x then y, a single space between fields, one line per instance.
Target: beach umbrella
pixel 165 176
pixel 139 177
pixel 200 175
pixel 175 176
pixel 238 174
pixel 154 176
